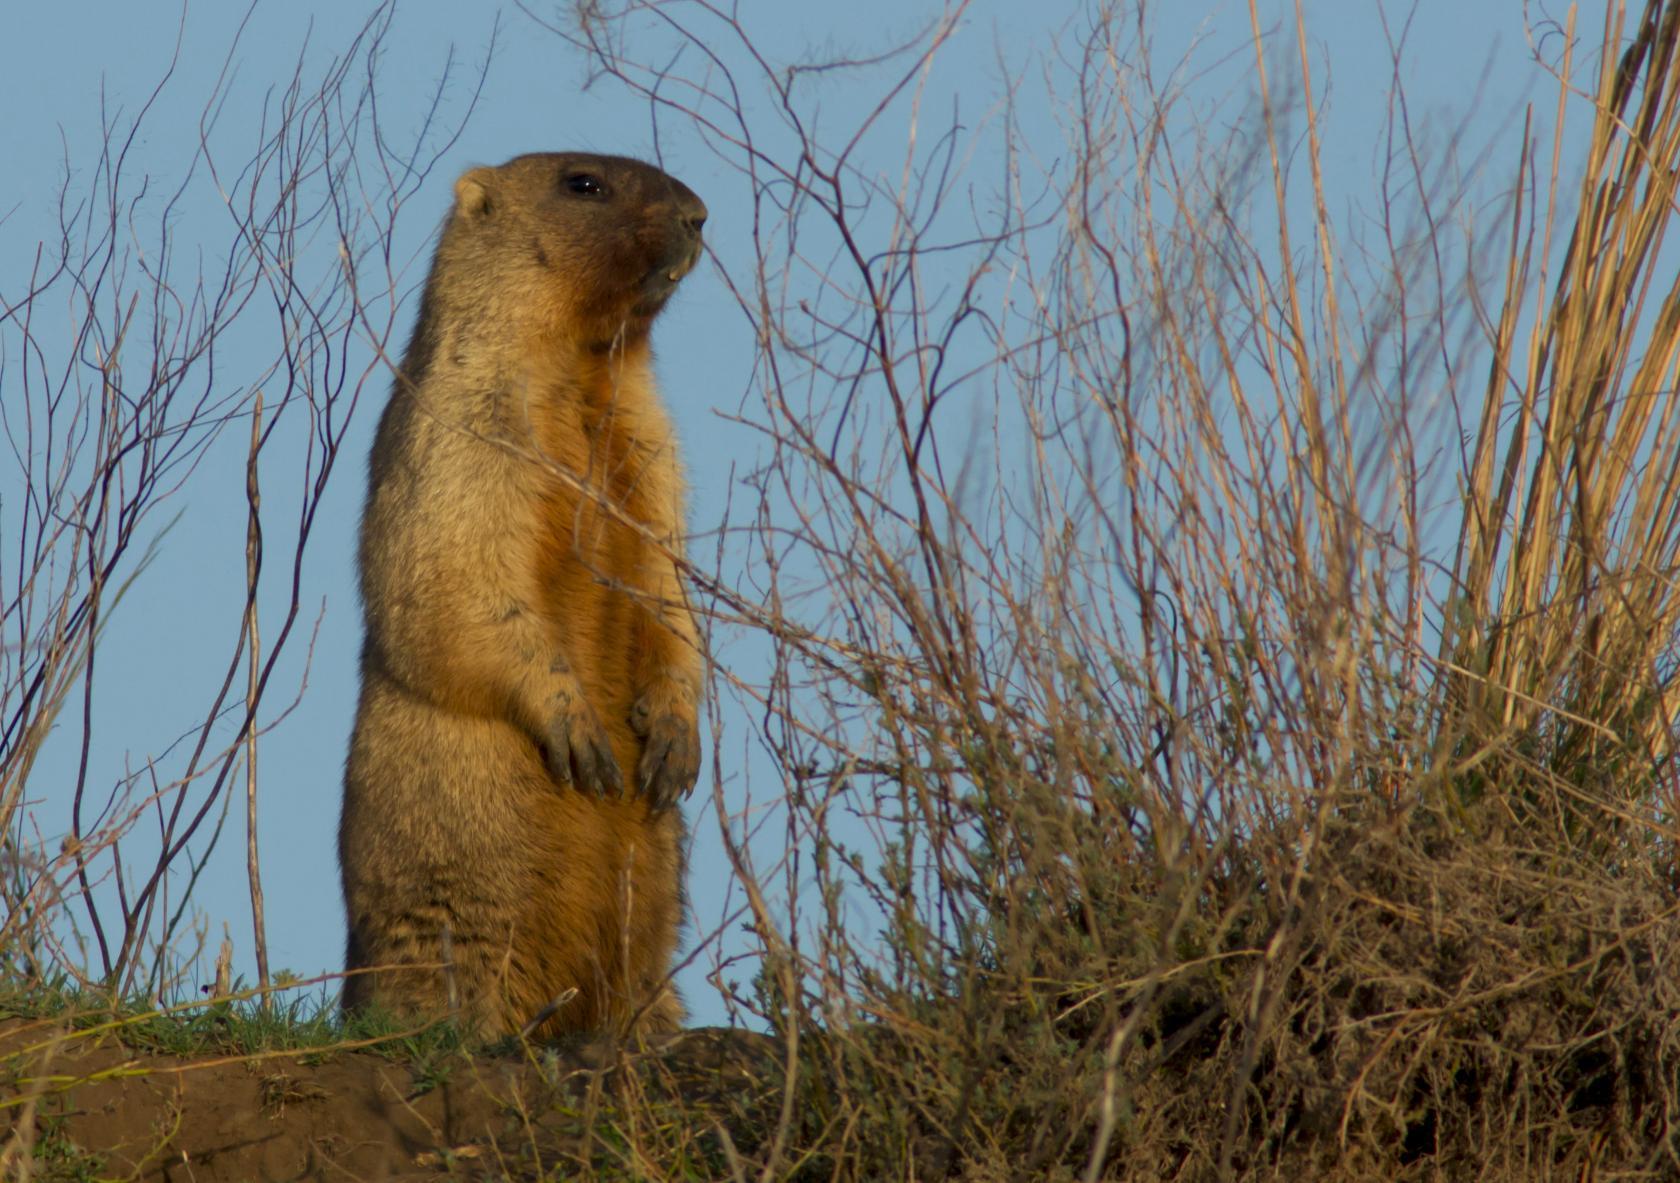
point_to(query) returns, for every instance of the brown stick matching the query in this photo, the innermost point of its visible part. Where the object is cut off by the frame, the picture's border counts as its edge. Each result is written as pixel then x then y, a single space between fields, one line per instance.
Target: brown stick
pixel 253 569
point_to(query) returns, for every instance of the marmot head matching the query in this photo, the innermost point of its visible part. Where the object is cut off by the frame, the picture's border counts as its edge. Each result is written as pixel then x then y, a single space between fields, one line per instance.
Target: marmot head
pixel 589 247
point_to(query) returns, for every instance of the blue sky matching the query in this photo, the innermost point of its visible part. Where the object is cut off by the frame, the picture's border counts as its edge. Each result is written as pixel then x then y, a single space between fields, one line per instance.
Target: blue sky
pixel 1466 68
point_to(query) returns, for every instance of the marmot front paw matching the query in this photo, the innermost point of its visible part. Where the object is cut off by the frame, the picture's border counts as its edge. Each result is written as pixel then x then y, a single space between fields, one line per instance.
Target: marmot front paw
pixel 670 761
pixel 578 753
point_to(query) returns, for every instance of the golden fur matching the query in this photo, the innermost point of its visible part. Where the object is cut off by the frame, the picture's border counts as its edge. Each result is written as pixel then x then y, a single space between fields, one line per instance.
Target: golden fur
pixel 530 676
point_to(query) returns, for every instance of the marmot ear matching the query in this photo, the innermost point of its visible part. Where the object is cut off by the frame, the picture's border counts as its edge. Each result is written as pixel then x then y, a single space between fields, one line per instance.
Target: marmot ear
pixel 472 192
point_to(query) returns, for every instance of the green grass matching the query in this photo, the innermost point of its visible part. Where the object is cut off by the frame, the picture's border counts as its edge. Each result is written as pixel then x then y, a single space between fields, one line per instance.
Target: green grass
pixel 58 1158
pixel 234 1025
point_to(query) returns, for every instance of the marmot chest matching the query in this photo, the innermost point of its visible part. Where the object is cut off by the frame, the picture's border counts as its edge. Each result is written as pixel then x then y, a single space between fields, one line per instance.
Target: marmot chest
pixel 608 495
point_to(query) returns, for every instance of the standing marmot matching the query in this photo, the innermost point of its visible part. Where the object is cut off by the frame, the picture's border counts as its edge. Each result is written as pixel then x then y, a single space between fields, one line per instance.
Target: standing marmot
pixel 530 674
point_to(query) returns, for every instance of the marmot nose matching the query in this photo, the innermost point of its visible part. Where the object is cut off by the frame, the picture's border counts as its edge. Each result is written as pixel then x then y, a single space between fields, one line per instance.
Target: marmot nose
pixel 690 209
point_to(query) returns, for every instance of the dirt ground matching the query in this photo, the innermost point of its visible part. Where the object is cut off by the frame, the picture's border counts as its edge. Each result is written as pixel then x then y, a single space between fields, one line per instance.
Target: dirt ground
pixel 84 1108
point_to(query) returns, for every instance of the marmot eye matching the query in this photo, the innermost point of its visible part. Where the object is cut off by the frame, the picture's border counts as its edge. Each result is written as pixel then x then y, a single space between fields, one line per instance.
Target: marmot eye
pixel 585 183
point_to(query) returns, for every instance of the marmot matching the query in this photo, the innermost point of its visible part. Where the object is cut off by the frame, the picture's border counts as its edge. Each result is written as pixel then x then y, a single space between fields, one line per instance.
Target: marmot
pixel 510 847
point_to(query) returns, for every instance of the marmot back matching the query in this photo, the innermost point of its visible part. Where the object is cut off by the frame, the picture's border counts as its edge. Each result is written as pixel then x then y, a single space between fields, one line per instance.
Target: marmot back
pixel 510 847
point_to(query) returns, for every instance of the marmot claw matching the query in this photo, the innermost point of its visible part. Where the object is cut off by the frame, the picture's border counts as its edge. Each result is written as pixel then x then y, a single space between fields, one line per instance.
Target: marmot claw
pixel 579 755
pixel 670 761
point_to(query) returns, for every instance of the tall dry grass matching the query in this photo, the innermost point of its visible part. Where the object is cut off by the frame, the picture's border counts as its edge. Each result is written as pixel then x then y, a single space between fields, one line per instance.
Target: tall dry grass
pixel 1564 614
pixel 1222 671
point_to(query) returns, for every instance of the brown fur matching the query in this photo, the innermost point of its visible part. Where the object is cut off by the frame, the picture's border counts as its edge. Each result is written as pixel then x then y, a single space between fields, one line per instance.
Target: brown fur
pixel 530 675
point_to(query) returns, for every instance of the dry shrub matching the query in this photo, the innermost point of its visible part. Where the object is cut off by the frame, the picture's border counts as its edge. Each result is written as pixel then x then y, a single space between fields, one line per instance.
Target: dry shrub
pixel 1222 684
pixel 204 332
